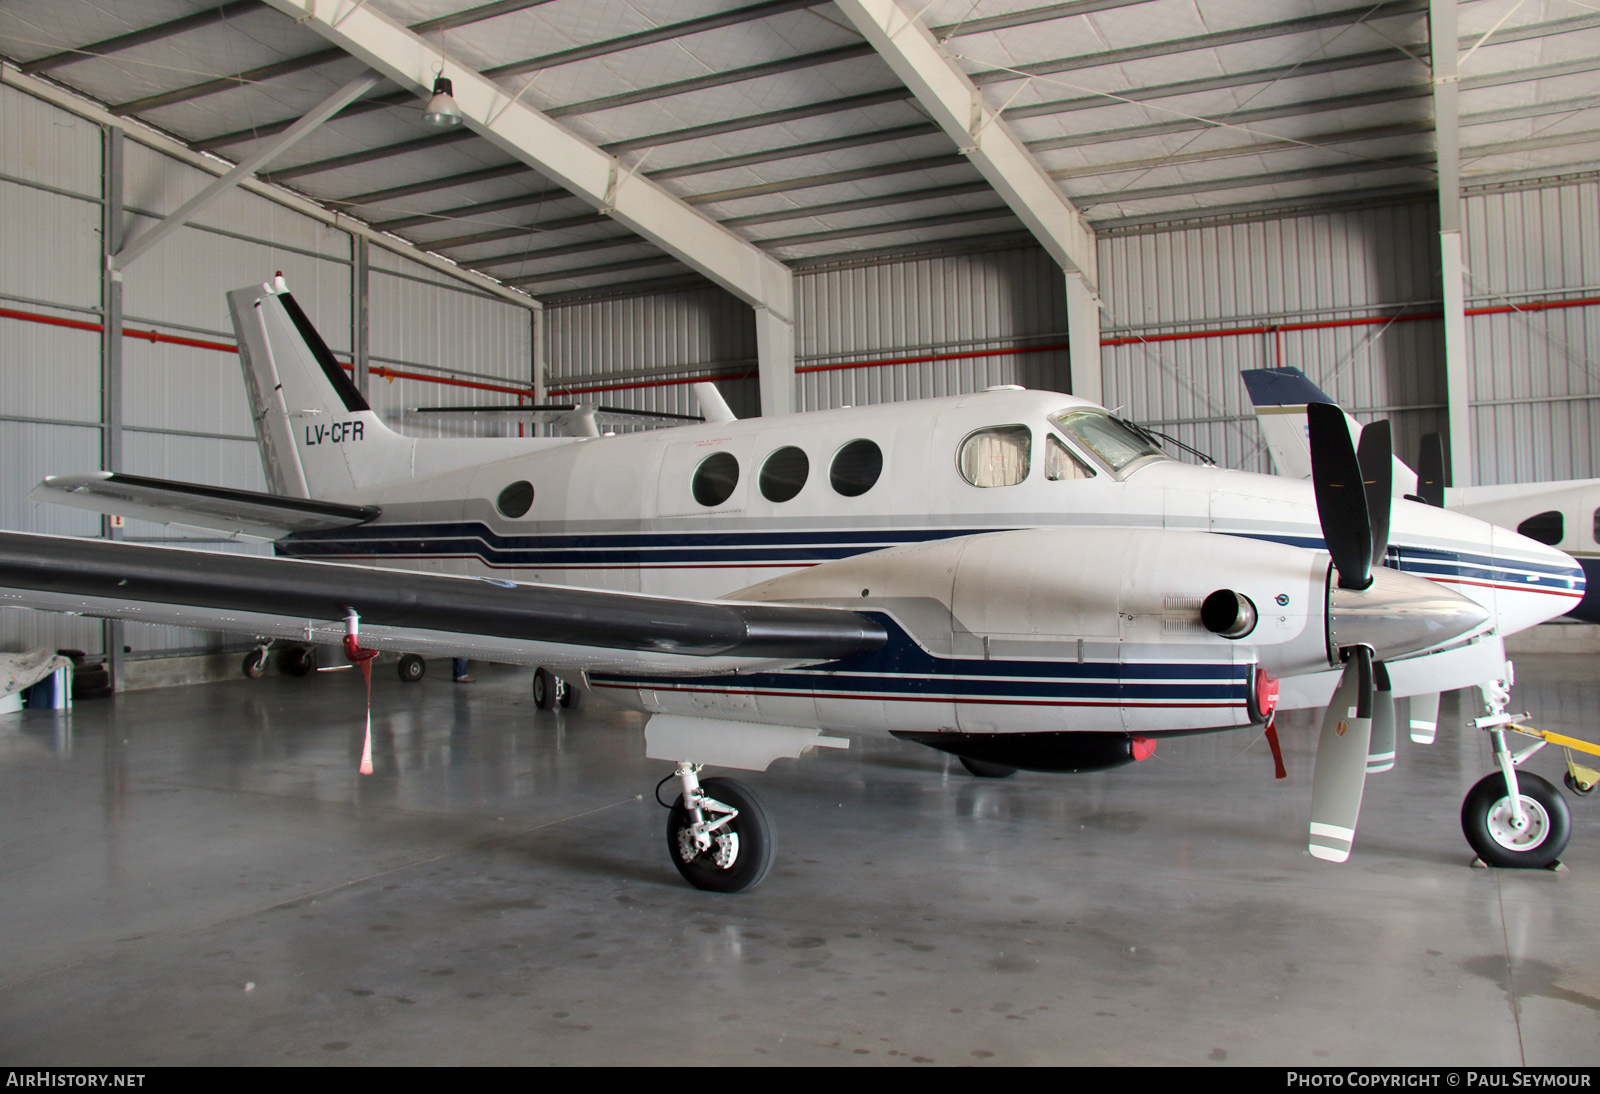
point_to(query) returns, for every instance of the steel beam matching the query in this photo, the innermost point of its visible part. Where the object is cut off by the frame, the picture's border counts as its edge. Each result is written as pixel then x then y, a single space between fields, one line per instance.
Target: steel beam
pixel 245 168
pixel 1444 39
pixel 565 158
pixel 111 229
pixel 1083 340
pixel 957 106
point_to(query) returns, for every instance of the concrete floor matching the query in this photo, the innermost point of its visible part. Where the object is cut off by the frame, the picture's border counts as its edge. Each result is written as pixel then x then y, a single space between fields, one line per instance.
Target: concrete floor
pixel 199 876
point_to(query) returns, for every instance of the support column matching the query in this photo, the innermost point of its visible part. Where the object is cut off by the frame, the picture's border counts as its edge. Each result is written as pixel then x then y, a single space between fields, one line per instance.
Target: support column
pixel 1446 120
pixel 360 316
pixel 775 358
pixel 536 345
pixel 1083 339
pixel 111 230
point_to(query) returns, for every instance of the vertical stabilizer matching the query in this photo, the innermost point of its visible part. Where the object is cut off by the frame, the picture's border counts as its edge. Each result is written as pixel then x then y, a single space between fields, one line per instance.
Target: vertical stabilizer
pixel 1280 396
pixel 318 436
pixel 713 407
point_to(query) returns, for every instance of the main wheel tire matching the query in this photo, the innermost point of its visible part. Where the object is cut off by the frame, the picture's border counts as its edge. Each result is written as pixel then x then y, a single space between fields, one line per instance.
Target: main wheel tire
pixel 544 688
pixel 985 770
pixel 300 660
pixel 1486 821
pixel 255 664
pixel 744 847
pixel 411 668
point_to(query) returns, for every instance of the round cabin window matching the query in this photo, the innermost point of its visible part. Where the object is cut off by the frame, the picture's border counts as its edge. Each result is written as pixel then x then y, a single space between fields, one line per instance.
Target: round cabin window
pixel 715 478
pixel 784 473
pixel 515 500
pixel 856 468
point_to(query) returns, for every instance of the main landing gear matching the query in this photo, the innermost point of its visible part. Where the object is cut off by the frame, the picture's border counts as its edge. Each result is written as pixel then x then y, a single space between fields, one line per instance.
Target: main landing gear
pixel 1517 819
pixel 551 691
pixel 718 832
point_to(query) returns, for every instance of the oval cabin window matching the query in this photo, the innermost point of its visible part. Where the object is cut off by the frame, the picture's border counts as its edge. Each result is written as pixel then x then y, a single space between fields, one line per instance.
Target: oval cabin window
pixel 715 478
pixel 784 473
pixel 856 468
pixel 998 456
pixel 515 500
pixel 1547 527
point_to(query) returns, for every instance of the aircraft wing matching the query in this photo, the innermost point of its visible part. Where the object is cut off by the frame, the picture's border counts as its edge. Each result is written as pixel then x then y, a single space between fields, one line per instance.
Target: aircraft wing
pixel 554 625
pixel 244 513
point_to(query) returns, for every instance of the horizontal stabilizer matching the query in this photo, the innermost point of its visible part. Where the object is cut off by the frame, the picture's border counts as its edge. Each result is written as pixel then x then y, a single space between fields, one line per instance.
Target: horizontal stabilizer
pixel 247 513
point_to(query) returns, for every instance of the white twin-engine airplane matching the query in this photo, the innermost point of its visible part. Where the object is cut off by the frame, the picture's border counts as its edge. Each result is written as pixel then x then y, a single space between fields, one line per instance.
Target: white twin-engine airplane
pixel 1016 577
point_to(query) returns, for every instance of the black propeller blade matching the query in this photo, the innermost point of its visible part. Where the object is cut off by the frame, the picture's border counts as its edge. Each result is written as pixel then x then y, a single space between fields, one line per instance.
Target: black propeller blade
pixel 1430 470
pixel 1342 504
pixel 1375 455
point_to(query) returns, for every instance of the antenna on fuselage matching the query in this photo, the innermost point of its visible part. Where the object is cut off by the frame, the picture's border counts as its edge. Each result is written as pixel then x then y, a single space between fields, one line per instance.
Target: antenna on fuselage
pixel 713 407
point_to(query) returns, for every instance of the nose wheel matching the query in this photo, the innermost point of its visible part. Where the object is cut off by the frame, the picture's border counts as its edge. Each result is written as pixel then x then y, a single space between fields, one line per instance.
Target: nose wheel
pixel 1502 838
pixel 1514 818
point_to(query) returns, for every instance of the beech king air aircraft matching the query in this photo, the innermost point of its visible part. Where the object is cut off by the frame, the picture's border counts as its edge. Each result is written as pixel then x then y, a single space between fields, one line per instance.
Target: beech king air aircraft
pixel 1016 577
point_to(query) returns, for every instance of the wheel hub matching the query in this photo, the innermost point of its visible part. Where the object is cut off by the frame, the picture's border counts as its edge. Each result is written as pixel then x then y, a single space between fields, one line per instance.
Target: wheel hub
pixel 1503 828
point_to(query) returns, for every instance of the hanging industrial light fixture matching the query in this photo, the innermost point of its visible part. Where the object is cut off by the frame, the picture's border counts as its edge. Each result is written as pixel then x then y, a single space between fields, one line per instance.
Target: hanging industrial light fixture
pixel 442 111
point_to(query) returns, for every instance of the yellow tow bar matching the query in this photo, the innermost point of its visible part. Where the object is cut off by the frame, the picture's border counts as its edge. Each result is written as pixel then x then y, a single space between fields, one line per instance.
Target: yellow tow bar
pixel 1580 779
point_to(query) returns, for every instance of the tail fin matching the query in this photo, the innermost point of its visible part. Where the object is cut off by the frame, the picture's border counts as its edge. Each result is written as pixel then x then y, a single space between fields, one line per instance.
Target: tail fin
pixel 1280 396
pixel 318 436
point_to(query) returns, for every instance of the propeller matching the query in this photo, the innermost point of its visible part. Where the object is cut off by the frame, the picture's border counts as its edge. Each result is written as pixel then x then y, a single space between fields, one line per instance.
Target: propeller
pixel 1353 487
pixel 1373 612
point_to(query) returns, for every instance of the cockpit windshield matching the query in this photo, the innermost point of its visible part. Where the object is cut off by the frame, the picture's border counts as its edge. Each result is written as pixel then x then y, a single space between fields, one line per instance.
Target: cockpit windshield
pixel 1116 445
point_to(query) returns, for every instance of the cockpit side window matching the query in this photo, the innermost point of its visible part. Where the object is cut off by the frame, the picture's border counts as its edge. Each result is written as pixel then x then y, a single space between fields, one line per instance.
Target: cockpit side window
pixel 1061 463
pixel 1113 443
pixel 997 456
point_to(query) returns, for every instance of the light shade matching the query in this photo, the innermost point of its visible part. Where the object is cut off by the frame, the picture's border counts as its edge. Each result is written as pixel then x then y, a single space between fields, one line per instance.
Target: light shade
pixel 442 111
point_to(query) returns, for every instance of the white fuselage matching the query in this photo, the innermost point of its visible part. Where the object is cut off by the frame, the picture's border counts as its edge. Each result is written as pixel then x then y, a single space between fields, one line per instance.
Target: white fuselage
pixel 620 512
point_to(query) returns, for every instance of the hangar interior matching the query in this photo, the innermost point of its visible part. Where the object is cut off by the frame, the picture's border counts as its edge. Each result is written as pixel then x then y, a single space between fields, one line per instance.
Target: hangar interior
pixel 813 205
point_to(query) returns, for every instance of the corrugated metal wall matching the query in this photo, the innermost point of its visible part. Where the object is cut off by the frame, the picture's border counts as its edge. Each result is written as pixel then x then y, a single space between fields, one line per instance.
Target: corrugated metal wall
pixel 183 409
pixel 1535 373
pixel 624 352
pixel 1363 283
pixel 1002 300
pixel 1348 265
pixel 428 324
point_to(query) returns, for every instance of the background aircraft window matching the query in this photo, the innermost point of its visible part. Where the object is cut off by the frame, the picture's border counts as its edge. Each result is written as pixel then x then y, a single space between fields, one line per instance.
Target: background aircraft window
pixel 515 500
pixel 999 456
pixel 784 473
pixel 1060 463
pixel 856 468
pixel 1116 444
pixel 1547 527
pixel 715 478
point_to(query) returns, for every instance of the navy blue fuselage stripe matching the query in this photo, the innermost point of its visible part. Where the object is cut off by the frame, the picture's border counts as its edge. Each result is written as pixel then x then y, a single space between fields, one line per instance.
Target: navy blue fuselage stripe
pixel 902 667
pixel 723 547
